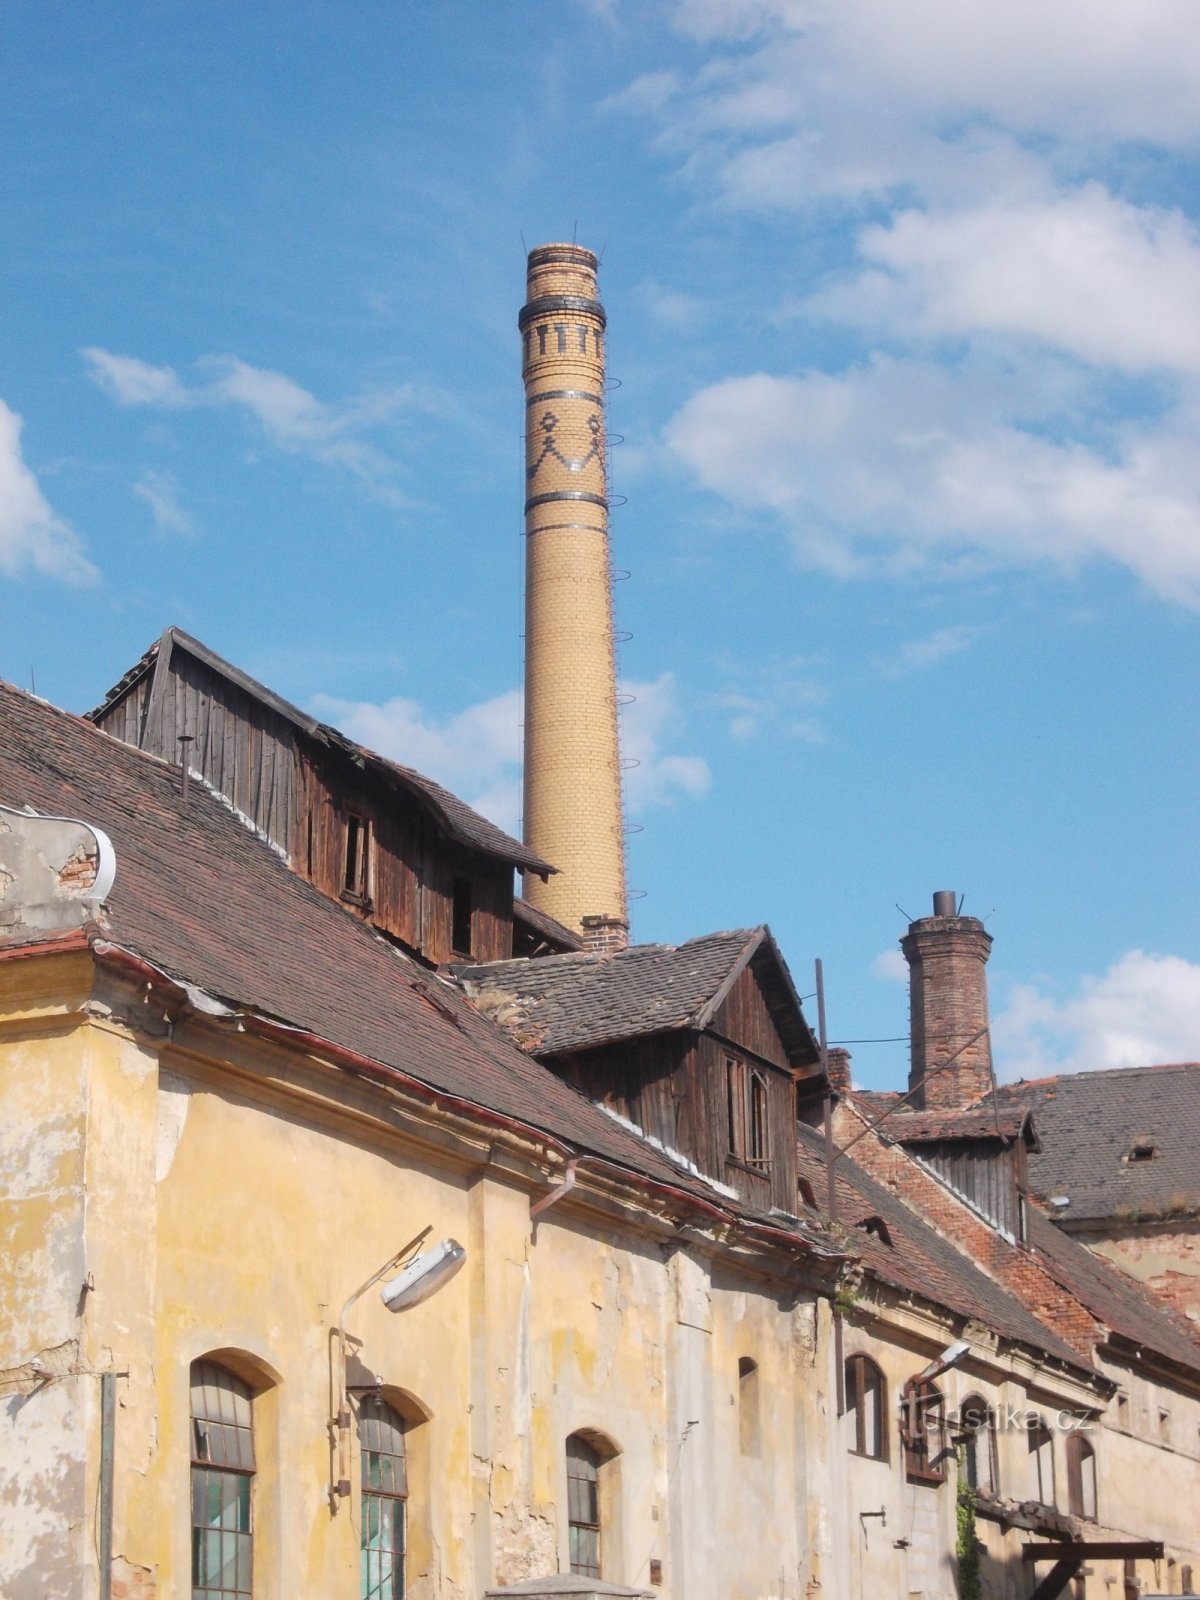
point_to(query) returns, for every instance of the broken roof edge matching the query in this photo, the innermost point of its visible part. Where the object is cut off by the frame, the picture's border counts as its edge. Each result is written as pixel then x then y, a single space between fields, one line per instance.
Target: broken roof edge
pixel 426 790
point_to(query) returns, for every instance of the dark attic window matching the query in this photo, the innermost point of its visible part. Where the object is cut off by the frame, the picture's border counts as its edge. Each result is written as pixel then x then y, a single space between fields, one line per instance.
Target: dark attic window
pixel 877 1227
pixel 805 1191
pixel 461 910
pixel 356 879
pixel 1143 1150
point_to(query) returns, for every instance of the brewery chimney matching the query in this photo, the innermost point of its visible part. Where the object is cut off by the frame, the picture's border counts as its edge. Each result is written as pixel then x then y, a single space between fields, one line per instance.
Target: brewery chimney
pixel 948 1004
pixel 573 814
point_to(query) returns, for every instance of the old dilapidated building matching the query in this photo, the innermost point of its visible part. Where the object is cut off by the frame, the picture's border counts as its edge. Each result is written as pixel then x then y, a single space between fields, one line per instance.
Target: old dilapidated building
pixel 274 1031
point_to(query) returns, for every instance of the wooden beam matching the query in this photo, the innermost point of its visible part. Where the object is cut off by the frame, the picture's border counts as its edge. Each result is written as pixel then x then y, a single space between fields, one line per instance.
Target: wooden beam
pixel 1056 1580
pixel 1094 1550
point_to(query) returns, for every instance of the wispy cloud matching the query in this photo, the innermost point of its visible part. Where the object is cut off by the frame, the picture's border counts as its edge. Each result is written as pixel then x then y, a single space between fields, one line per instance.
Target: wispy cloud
pixel 161 493
pixel 477 752
pixel 1144 1009
pixel 891 966
pixel 902 465
pixel 286 414
pixel 914 655
pixel 33 537
pixel 781 696
pixel 996 420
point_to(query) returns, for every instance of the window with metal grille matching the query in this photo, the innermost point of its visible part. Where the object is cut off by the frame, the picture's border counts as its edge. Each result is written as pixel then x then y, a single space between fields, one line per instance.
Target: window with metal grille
pixel 1081 1477
pixel 384 1500
pixel 924 1433
pixel 222 1483
pixel 583 1505
pixel 1041 1463
pixel 866 1406
pixel 979 1444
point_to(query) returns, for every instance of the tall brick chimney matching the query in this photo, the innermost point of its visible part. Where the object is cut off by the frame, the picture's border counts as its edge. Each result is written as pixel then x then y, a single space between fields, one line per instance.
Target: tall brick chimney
pixel 573 814
pixel 948 1005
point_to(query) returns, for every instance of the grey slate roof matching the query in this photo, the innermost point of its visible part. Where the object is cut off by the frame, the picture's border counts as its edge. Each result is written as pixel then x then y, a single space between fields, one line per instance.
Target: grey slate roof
pixel 1087 1123
pixel 575 1002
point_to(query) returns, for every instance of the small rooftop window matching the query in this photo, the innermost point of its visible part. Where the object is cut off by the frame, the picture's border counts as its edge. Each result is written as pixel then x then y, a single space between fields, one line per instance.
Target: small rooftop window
pixel 1143 1150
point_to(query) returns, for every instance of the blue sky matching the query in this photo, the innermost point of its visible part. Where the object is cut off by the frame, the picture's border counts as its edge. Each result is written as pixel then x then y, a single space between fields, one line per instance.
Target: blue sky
pixel 905 309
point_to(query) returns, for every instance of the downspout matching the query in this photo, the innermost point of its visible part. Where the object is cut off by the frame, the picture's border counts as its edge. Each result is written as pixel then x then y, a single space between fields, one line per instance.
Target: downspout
pixel 104 1511
pixel 557 1193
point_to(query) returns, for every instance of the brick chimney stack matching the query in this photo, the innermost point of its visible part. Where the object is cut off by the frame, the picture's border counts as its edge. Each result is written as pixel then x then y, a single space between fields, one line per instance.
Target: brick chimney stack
pixel 573 815
pixel 948 1004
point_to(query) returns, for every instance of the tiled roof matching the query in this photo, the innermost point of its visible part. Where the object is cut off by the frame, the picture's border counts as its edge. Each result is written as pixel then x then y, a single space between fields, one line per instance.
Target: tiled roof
pixel 974 1122
pixel 541 922
pixel 459 820
pixel 575 1002
pixel 1109 1295
pixel 919 1260
pixel 203 898
pixel 1088 1122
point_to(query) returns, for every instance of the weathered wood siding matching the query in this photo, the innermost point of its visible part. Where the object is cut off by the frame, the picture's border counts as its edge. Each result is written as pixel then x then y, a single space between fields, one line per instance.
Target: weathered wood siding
pixel 674 1087
pixel 774 1186
pixel 981 1170
pixel 241 747
pixel 301 794
pixel 413 866
pixel 744 1018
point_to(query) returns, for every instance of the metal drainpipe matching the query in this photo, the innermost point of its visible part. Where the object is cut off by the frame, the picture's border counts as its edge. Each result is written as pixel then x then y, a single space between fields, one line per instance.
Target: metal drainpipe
pixel 557 1193
pixel 108 1425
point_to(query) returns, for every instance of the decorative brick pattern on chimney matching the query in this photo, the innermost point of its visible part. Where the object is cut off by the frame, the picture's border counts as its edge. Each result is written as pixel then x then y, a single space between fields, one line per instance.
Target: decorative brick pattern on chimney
pixel 948 1006
pixel 573 815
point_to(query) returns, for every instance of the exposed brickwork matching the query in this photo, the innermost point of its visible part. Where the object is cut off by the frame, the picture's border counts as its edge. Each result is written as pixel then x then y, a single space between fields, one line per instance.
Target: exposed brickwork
pixel 837 1061
pixel 573 811
pixel 1162 1259
pixel 605 935
pixel 1017 1270
pixel 948 1005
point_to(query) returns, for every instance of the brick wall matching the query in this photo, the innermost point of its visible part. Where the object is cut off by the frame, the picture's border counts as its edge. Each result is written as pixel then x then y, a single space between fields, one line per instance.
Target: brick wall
pixel 948 1006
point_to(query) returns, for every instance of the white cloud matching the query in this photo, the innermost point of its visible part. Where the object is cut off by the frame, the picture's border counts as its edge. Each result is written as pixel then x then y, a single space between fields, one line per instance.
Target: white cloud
pixel 135 383
pixel 32 535
pixel 1105 280
pixel 652 720
pixel 840 97
pixel 891 966
pixel 476 753
pixel 290 416
pixel 778 695
pixel 904 465
pixel 916 654
pixel 1145 1009
pixel 161 493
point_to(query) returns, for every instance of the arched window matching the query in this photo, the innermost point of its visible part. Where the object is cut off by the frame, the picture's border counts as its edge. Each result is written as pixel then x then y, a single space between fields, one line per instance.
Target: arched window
pixel 748 1434
pixel 583 1505
pixel 924 1433
pixel 1041 1463
pixel 979 1445
pixel 222 1483
pixel 1081 1477
pixel 866 1405
pixel 384 1500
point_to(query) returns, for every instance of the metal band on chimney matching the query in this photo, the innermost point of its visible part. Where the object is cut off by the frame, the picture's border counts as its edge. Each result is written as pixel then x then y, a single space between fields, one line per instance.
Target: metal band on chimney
pixel 573 815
